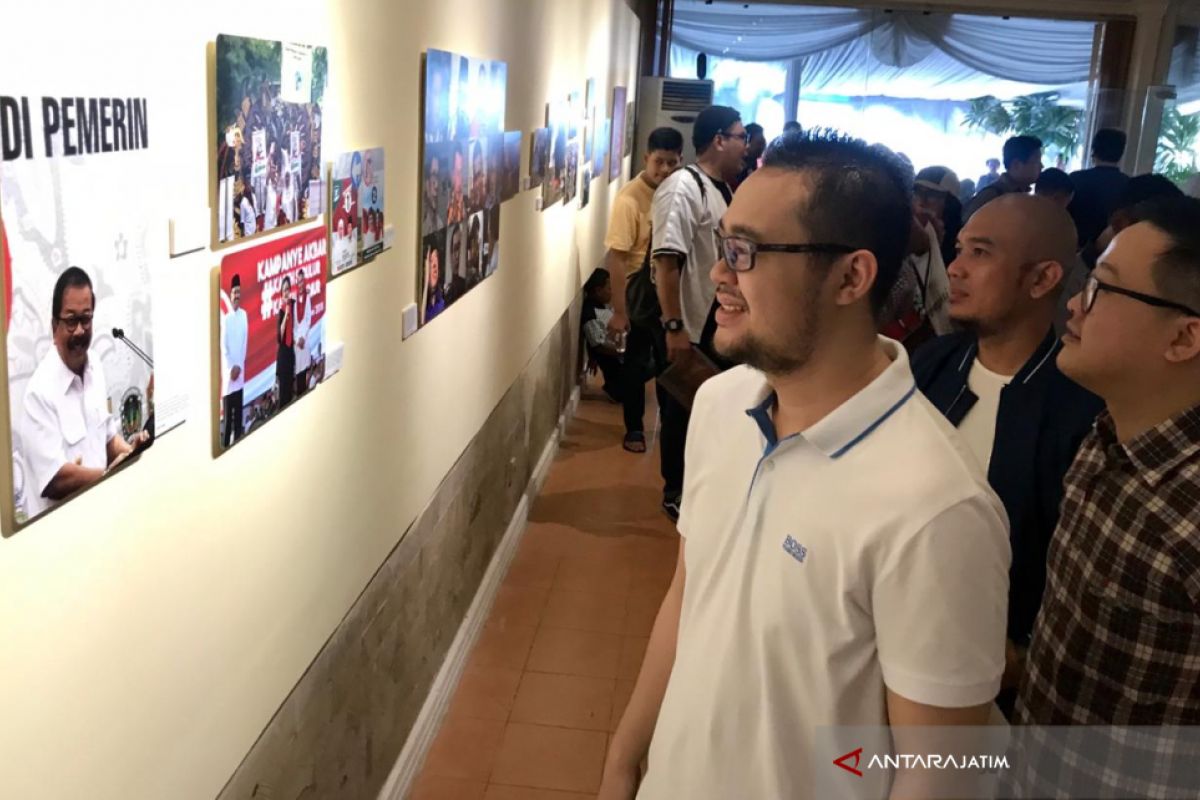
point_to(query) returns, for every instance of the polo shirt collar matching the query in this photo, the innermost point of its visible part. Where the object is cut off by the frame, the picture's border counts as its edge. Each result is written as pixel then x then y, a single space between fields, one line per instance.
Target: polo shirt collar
pixel 854 420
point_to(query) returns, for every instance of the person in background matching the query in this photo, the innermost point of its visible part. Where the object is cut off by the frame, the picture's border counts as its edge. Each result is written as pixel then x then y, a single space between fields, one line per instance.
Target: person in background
pixel 684 215
pixel 1098 189
pixel 790 127
pixel 917 308
pixel 1138 190
pixel 997 383
pixel 754 152
pixel 456 208
pixel 627 241
pixel 819 581
pixel 1022 166
pixel 303 334
pixel 602 355
pixel 1116 640
pixel 991 176
pixel 966 191
pixel 247 214
pixel 1056 185
pixel 235 331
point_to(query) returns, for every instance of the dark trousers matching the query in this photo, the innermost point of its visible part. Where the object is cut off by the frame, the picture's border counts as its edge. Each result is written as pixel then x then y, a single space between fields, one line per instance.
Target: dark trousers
pixel 301 382
pixel 674 417
pixel 234 427
pixel 640 366
pixel 285 374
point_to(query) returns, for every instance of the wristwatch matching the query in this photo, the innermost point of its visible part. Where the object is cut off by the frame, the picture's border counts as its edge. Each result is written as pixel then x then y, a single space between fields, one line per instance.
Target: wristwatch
pixel 672 325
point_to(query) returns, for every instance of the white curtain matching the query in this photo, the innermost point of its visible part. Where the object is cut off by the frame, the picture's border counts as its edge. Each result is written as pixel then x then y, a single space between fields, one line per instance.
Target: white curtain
pixel 1031 51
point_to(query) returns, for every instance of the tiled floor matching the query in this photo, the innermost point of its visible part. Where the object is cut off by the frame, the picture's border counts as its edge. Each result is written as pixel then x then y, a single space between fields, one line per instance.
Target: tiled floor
pixel 555 664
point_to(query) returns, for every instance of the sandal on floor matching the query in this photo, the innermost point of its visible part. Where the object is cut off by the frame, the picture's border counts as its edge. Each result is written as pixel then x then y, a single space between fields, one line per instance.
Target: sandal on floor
pixel 635 442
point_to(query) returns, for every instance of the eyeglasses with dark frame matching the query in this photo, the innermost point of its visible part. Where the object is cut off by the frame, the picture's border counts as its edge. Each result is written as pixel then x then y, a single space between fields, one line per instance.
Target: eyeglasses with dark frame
pixel 740 253
pixel 1093 285
pixel 72 323
pixel 744 135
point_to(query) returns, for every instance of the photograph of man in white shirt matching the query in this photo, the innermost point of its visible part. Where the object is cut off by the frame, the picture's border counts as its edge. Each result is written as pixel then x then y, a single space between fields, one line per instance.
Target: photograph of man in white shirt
pixel 842 559
pixel 70 438
pixel 235 331
pixel 303 329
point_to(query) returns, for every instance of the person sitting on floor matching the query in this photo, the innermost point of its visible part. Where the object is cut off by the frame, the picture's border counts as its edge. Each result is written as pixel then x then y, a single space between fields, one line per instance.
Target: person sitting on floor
pixel 597 311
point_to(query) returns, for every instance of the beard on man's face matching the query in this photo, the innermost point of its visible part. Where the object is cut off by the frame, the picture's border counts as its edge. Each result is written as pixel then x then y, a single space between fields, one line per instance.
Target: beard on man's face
pixel 789 354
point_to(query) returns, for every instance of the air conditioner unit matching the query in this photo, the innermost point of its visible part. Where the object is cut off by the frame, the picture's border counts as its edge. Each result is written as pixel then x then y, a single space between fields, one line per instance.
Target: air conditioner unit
pixel 670 103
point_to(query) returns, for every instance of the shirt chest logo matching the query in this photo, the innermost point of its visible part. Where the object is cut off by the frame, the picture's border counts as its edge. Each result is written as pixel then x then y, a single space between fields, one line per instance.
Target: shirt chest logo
pixel 795 549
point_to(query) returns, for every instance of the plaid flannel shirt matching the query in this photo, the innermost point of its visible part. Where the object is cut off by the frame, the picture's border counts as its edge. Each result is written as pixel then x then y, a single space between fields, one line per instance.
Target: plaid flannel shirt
pixel 1117 641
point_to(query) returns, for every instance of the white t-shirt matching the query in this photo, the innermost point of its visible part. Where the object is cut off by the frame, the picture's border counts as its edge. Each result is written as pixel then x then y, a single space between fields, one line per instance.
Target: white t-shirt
pixel 235 332
pixel 978 427
pixel 249 218
pixel 822 570
pixel 65 417
pixel 684 222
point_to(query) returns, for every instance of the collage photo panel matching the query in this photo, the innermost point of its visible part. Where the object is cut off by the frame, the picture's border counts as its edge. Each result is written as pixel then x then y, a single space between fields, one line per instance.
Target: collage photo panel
pixel 465 176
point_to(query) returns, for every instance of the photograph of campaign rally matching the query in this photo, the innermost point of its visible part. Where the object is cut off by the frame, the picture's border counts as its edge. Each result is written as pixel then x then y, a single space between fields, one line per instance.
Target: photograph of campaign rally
pixel 268 166
pixel 463 179
pixel 271 334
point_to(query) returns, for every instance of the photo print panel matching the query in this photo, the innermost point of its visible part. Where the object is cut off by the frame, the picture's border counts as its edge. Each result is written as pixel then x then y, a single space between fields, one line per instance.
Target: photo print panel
pixel 271 330
pixel 79 259
pixel 539 156
pixel 617 147
pixel 370 200
pixel 463 172
pixel 630 130
pixel 267 163
pixel 510 178
pixel 345 219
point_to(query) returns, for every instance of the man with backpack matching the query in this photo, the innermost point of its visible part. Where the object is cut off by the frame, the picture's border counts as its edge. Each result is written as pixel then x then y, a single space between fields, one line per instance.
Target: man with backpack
pixel 628 244
pixel 687 208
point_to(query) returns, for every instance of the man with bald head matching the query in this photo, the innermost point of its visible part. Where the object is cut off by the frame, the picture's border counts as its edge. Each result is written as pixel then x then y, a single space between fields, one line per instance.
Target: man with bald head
pixel 998 383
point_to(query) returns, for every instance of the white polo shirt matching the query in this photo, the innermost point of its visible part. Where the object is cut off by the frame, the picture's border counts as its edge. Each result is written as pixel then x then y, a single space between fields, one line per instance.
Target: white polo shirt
pixel 65 417
pixel 866 552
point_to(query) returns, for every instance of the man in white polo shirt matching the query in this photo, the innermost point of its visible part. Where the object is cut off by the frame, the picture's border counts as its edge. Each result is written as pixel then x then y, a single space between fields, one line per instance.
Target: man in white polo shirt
pixel 843 560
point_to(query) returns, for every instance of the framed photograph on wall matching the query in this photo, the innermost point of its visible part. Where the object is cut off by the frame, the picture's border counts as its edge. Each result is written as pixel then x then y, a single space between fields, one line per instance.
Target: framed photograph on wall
pixel 463 175
pixel 539 156
pixel 269 98
pixel 270 331
pixel 617 148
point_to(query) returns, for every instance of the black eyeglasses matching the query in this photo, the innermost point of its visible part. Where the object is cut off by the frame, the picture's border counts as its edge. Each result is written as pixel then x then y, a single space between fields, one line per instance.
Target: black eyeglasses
pixel 72 323
pixel 740 253
pixel 1093 285
pixel 744 135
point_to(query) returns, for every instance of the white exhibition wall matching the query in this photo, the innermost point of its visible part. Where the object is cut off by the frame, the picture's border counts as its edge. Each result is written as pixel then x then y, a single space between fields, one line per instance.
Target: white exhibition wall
pixel 150 628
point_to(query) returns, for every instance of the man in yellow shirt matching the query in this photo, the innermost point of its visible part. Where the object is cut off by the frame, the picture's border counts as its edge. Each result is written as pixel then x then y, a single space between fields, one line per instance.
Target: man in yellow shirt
pixel 627 241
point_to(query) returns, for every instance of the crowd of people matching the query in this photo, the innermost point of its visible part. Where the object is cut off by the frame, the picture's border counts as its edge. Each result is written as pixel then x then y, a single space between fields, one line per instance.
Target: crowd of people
pixel 944 466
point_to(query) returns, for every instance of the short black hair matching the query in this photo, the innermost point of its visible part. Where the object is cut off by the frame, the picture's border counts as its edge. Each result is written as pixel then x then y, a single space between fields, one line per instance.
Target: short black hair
pixel 1109 144
pixel 665 139
pixel 1176 271
pixel 1020 148
pixel 791 126
pixel 74 278
pixel 598 278
pixel 1054 181
pixel 710 122
pixel 754 129
pixel 1146 187
pixel 861 197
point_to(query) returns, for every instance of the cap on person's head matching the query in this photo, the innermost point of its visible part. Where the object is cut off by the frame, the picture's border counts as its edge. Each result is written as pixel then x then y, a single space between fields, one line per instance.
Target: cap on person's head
pixel 939 179
pixel 236 282
pixel 1109 144
pixel 710 122
pixel 1054 181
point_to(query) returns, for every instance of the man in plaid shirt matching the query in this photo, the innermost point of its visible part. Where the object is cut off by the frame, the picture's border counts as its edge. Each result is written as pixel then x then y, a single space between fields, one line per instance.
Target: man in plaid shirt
pixel 1117 641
